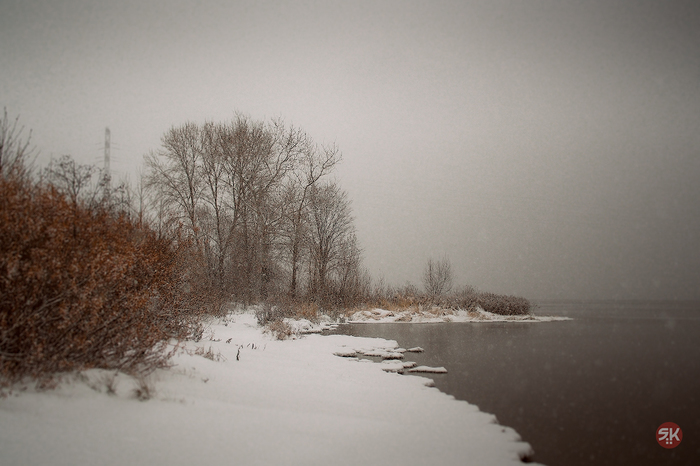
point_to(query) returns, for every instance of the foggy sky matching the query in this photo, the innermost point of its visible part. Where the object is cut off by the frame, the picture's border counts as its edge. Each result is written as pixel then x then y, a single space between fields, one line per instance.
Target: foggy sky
pixel 549 149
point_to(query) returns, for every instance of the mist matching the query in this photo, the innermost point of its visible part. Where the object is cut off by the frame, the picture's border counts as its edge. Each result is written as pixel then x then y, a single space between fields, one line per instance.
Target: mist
pixel 549 150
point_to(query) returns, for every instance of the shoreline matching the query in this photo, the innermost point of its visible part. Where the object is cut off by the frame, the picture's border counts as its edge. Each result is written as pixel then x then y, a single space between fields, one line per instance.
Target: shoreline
pixel 240 396
pixel 437 315
pixel 413 316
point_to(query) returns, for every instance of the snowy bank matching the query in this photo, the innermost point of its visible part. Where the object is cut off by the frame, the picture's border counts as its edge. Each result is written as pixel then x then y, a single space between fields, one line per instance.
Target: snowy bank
pixel 239 397
pixel 415 315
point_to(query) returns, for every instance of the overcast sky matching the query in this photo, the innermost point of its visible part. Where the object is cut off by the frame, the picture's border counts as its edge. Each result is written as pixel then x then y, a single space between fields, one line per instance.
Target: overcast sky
pixel 548 149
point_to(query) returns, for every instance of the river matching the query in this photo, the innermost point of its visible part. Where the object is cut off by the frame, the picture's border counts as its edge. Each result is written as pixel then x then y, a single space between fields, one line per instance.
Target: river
pixel 592 390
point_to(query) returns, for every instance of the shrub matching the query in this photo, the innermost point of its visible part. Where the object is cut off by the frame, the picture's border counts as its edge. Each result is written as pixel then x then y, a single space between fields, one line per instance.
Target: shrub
pixel 278 307
pixel 82 287
pixel 280 329
pixel 503 305
pixel 467 298
pixel 274 309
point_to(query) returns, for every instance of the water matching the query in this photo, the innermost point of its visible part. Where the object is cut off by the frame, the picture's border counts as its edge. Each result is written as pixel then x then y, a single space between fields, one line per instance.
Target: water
pixel 588 391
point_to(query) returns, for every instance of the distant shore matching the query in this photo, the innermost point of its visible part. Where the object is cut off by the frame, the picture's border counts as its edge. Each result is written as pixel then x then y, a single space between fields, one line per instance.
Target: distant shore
pixel 436 315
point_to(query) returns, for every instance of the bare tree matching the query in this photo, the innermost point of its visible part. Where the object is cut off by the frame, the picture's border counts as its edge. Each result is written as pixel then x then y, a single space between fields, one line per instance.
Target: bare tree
pixel 253 169
pixel 331 228
pixel 437 277
pixel 315 162
pixel 351 281
pixel 215 218
pixel 72 179
pixel 143 204
pixel 14 148
pixel 174 172
pixel 249 192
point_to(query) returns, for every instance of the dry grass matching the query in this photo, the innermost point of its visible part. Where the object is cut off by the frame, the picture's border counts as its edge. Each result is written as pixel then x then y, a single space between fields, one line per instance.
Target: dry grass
pixel 143 390
pixel 209 354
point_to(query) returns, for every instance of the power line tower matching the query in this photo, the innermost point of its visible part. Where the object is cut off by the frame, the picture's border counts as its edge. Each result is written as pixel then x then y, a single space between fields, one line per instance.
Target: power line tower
pixel 107 174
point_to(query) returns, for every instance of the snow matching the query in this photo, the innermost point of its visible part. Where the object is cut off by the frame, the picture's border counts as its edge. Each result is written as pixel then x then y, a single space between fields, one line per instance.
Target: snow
pixel 397 366
pixel 287 402
pixel 346 353
pixel 429 370
pixel 382 353
pixel 435 315
pixel 305 326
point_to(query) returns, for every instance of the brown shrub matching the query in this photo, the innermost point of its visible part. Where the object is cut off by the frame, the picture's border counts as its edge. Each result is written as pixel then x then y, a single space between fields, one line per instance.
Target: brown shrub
pixel 467 299
pixel 82 288
pixel 280 329
pixel 491 302
pixel 308 311
pixel 503 305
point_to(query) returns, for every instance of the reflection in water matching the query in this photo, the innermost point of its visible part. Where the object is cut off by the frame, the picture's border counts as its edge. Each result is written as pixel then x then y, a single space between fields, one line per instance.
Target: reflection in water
pixel 592 389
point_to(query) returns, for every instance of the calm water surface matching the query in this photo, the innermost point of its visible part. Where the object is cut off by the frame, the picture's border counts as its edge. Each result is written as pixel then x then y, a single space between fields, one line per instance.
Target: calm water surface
pixel 588 391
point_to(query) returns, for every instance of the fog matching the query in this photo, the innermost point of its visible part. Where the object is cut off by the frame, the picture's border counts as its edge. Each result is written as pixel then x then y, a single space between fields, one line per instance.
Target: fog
pixel 548 149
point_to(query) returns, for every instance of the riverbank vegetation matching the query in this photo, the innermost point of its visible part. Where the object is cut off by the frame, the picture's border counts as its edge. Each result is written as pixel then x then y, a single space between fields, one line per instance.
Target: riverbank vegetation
pixel 466 298
pixel 83 283
pixel 439 293
pixel 94 274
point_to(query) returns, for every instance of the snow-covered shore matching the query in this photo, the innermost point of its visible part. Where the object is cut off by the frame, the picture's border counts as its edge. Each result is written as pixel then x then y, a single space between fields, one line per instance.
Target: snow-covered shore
pixel 240 397
pixel 416 315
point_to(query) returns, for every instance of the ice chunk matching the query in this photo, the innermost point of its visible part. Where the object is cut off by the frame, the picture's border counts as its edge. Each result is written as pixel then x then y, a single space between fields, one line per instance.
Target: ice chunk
pixel 429 370
pixel 416 349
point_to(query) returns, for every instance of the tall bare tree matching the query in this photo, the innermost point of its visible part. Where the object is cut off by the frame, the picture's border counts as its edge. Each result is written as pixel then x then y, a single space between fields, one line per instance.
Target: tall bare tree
pixel 331 227
pixel 174 172
pixel 315 163
pixel 214 219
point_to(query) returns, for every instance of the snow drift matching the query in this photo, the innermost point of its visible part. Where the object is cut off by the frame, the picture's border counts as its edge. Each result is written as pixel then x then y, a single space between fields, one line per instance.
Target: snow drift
pixel 239 397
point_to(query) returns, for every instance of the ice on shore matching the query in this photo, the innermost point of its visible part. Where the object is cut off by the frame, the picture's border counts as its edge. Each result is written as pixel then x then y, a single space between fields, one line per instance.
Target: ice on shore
pixel 346 353
pixel 397 366
pixel 429 370
pixel 378 353
pixel 305 326
pixel 288 402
